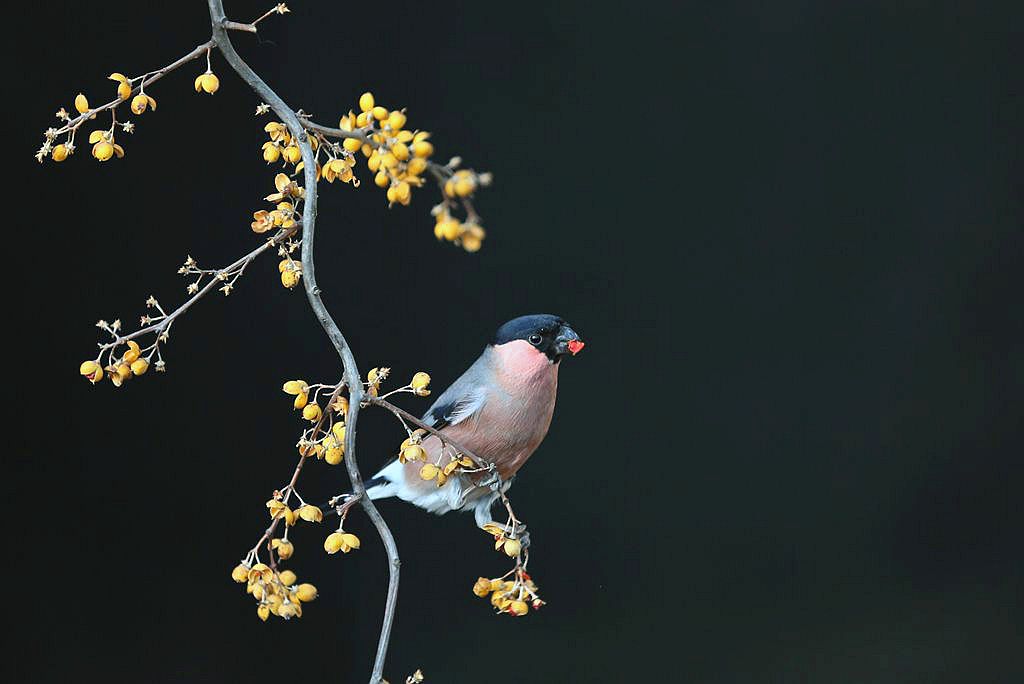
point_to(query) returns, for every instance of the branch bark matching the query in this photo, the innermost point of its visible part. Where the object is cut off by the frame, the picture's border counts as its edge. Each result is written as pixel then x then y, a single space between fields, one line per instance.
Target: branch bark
pixel 352 377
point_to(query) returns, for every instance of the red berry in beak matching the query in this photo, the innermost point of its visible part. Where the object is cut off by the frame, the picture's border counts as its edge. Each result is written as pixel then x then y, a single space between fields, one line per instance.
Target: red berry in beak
pixel 575 346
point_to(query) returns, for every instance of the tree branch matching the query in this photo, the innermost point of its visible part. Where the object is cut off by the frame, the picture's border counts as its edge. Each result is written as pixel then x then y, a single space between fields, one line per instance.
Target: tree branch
pixel 351 371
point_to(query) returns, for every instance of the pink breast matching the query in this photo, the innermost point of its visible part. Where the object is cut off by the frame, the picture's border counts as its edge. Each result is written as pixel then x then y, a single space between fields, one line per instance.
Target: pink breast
pixel 519 362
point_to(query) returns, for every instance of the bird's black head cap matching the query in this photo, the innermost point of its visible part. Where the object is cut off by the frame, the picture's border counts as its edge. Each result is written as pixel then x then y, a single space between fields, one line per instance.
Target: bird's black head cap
pixel 548 333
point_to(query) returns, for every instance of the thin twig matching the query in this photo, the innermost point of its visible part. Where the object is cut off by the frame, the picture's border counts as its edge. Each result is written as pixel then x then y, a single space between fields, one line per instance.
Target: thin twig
pixel 164 323
pixel 149 77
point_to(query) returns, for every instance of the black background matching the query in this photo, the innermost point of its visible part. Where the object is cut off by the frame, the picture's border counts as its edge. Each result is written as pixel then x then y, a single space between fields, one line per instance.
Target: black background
pixel 789 232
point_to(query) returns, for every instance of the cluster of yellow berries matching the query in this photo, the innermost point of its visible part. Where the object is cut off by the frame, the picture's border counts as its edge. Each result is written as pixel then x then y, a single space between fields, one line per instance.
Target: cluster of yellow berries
pixel 279 510
pixel 278 593
pixel 514 597
pixel 139 104
pixel 118 371
pixel 281 147
pixel 469 234
pixel 339 540
pixel 284 215
pixel 433 471
pixel 397 156
pixel 103 145
pixel 331 448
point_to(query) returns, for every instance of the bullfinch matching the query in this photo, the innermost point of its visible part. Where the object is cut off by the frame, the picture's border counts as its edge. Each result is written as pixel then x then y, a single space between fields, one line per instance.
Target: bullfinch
pixel 499 409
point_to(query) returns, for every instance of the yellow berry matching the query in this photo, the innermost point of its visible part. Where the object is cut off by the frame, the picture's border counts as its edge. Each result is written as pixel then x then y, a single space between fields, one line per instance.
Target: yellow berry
pixel 133 352
pixel 519 608
pixel 366 102
pixel 482 587
pixel 91 370
pixel 287 578
pixel 403 192
pixel 396 120
pixel 400 151
pixel 60 153
pixel 312 412
pixel 139 366
pixel 512 547
pixel 295 387
pixel 103 150
pixel 339 432
pixel 415 452
pixel 420 380
pixel 291 278
pixel 352 144
pixel 379 113
pixel 333 542
pixel 284 548
pixel 306 592
pixel 139 104
pixel 451 229
pixel 207 82
pixel 311 513
pixel 275 507
pixel 416 166
pixel 81 103
pixel 240 573
pixel 429 471
pixel 422 148
pixel 271 152
pixel 124 371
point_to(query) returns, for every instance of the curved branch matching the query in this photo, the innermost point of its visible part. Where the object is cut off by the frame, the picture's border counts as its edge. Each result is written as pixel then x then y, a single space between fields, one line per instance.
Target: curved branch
pixel 351 371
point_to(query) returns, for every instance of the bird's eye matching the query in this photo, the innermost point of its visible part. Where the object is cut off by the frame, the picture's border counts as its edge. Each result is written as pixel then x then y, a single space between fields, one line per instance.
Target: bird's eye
pixel 535 340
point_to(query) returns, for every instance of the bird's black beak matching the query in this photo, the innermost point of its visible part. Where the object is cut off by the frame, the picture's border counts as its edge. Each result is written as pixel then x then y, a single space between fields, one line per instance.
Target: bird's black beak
pixel 567 341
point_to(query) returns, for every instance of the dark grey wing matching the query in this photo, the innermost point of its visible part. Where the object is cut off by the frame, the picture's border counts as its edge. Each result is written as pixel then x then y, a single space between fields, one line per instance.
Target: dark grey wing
pixel 462 399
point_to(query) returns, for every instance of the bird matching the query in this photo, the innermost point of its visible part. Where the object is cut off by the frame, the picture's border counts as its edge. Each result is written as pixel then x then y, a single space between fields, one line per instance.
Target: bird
pixel 499 409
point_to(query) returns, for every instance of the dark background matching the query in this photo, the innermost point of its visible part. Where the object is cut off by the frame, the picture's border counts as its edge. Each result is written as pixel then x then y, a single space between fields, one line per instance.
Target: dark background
pixel 789 232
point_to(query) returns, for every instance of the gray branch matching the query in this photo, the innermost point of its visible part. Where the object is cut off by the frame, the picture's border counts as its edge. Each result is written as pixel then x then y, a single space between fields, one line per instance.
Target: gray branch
pixel 353 379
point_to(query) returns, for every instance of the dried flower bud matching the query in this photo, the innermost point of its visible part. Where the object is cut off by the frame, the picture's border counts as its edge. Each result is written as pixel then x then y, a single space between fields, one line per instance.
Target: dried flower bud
pixel 240 573
pixel 311 513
